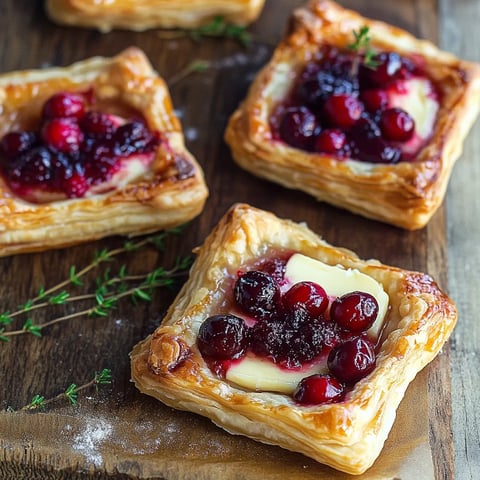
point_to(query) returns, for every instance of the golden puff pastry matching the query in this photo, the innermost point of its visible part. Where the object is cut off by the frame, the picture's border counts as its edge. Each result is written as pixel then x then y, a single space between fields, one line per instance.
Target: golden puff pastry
pixel 145 14
pixel 405 194
pixel 348 435
pixel 170 191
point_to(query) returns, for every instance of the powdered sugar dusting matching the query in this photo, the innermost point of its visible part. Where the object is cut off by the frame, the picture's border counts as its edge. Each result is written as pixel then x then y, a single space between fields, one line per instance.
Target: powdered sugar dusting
pixel 90 440
pixel 191 134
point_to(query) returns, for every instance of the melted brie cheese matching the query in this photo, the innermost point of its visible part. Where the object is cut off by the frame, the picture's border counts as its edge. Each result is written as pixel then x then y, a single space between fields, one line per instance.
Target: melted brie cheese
pixel 254 373
pixel 263 375
pixel 338 281
pixel 416 96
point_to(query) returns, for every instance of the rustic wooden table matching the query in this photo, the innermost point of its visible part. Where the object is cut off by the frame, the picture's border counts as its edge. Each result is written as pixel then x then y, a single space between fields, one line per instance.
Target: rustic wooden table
pixel 65 440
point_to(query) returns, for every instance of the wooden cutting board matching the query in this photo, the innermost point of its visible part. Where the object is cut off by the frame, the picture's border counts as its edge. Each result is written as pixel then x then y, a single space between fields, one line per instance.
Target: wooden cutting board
pixel 119 432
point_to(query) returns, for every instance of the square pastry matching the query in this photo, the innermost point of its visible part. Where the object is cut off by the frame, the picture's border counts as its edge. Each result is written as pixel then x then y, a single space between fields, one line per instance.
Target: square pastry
pixel 281 337
pixel 91 150
pixel 141 15
pixel 359 114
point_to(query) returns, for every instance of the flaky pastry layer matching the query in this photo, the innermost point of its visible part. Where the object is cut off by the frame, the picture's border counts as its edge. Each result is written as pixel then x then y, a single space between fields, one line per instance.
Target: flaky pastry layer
pixel 171 192
pixel 406 194
pixel 348 435
pixel 145 14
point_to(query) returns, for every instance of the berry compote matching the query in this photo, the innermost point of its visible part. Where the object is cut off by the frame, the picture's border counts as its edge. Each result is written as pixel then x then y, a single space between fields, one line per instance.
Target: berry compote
pixel 322 342
pixel 75 149
pixel 339 106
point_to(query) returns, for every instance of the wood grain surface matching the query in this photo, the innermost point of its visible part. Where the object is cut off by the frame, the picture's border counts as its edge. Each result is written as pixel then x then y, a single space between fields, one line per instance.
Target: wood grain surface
pixel 71 352
pixel 459 22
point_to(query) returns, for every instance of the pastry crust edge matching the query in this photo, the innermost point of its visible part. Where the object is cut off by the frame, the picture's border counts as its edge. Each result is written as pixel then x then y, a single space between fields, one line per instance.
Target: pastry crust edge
pixel 405 195
pixel 151 14
pixel 347 436
pixel 145 205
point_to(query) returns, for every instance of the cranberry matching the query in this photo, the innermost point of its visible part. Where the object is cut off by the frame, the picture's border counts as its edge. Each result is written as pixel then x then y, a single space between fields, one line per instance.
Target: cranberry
pixel 365 129
pixel 397 125
pixel 388 68
pixel 74 149
pixel 76 186
pixel 100 163
pixel 132 138
pixel 62 134
pixel 332 79
pixel 69 175
pixel 64 105
pixel 343 110
pixel 368 146
pixel 97 124
pixel 339 91
pixel 15 143
pixel 355 311
pixel 352 360
pixel 298 127
pixel 330 141
pixel 257 293
pixel 374 99
pixel 378 151
pixel 311 93
pixel 223 337
pixel 308 296
pixel 32 167
pixel 318 389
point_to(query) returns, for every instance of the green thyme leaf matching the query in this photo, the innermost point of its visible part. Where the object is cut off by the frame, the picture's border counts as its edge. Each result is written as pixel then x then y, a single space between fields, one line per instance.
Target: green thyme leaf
pixel 29 327
pixel 218 27
pixel 103 377
pixel 362 45
pixel 5 318
pixel 38 401
pixel 59 299
pixel 74 278
pixel 72 394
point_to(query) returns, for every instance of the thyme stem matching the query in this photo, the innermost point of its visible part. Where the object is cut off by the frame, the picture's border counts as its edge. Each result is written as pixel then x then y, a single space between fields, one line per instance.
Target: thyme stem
pixel 115 296
pixel 71 393
pixel 109 289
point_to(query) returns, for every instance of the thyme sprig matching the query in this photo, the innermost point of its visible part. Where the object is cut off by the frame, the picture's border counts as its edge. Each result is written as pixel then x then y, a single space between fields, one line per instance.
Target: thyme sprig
pixel 362 46
pixel 218 27
pixel 196 66
pixel 109 288
pixel 38 402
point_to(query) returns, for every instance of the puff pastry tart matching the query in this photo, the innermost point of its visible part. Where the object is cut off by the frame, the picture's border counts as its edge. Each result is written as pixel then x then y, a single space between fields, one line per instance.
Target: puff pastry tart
pixel 359 114
pixel 91 150
pixel 145 14
pixel 281 337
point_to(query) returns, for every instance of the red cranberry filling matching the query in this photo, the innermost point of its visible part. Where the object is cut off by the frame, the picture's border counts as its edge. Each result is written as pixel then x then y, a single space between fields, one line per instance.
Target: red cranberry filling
pixel 342 110
pixel 298 127
pixel 306 296
pixel 292 327
pixel 397 125
pixel 64 105
pixel 355 312
pixel 330 141
pixel 257 293
pixel 340 107
pixel 75 148
pixel 352 360
pixel 223 337
pixel 294 338
pixel 318 389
